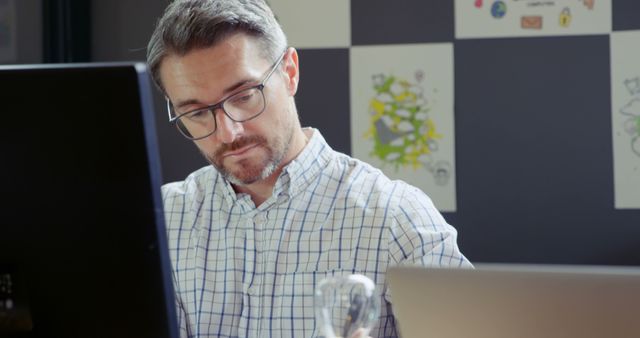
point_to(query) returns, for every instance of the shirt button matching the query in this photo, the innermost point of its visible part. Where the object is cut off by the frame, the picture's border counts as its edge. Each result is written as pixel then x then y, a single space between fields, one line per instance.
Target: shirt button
pixel 252 291
pixel 260 219
pixel 283 198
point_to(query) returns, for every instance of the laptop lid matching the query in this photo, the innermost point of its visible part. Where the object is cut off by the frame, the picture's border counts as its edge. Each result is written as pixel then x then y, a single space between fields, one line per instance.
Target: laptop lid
pixel 524 301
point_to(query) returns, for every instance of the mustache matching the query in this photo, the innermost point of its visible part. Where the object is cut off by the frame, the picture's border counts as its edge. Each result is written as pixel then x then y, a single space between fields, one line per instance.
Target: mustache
pixel 239 143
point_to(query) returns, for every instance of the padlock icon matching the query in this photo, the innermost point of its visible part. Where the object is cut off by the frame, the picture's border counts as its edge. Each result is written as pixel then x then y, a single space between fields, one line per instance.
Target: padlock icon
pixel 565 17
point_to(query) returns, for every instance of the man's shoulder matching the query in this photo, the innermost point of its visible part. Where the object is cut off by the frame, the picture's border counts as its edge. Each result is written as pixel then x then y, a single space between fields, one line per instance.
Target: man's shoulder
pixel 373 181
pixel 194 184
pixel 373 194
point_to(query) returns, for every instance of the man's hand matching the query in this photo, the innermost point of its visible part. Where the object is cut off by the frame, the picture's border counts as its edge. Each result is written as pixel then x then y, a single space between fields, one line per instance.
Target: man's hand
pixel 360 333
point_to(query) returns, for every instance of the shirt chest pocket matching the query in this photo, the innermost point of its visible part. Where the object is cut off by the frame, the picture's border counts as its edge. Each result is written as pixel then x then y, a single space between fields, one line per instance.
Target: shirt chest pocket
pixel 293 304
pixel 316 252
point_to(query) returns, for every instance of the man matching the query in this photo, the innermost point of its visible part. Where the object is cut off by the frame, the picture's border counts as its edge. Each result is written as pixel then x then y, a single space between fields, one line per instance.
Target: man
pixel 278 210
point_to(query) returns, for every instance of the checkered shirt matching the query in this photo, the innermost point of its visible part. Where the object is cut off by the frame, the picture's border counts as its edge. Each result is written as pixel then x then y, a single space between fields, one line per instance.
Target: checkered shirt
pixel 247 271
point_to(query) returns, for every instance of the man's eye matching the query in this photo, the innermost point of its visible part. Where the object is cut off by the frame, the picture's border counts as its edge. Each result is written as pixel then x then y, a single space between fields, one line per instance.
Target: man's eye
pixel 244 97
pixel 198 114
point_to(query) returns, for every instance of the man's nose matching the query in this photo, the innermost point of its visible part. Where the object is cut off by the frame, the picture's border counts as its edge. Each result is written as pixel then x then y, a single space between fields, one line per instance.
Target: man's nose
pixel 227 129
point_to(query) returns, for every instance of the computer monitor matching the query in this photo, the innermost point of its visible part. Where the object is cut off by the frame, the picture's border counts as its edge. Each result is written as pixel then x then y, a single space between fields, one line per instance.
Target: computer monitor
pixel 82 241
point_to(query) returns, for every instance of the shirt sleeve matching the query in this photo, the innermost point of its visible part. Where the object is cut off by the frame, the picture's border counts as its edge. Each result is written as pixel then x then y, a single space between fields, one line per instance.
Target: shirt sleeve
pixel 421 236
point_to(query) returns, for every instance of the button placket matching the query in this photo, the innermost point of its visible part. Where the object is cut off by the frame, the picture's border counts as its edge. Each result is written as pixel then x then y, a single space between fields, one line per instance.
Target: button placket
pixel 283 197
pixel 260 219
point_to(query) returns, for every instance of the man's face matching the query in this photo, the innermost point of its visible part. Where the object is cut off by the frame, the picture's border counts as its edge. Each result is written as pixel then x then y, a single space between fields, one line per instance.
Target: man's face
pixel 243 152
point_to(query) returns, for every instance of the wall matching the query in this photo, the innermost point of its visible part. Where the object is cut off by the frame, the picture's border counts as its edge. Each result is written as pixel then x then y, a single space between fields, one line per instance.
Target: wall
pixel 121 30
pixel 28 31
pixel 533 133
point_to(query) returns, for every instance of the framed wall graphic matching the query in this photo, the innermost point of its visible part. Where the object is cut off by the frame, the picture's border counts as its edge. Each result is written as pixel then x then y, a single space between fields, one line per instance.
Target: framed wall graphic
pixel 8 47
pixel 625 117
pixel 402 115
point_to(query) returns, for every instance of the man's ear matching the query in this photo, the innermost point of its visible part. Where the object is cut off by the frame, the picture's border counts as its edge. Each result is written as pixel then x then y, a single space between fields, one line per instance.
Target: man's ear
pixel 291 70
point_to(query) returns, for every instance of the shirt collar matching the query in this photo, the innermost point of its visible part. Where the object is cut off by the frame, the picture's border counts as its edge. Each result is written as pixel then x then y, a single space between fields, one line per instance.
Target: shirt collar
pixel 295 177
pixel 300 172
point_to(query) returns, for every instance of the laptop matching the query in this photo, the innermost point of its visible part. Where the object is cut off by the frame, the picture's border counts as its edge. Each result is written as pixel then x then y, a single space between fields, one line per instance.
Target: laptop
pixel 83 249
pixel 510 300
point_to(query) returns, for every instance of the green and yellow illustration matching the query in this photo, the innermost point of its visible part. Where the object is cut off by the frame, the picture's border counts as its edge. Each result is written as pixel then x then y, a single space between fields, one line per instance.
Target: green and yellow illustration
pixel 403 133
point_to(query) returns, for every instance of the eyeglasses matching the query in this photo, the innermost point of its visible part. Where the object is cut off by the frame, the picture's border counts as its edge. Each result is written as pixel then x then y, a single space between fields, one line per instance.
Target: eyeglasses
pixel 241 106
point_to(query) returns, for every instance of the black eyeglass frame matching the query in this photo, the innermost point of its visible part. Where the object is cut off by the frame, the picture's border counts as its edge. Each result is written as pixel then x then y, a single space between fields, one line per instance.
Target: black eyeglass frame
pixel 220 104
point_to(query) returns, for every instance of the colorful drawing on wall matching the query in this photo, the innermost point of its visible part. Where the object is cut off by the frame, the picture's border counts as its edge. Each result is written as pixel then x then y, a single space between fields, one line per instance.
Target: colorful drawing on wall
pixel 8 46
pixel 403 133
pixel 306 22
pixel 514 18
pixel 402 115
pixel 625 117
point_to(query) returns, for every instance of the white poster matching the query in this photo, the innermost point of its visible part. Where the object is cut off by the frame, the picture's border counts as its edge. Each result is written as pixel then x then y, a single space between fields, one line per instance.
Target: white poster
pixel 515 18
pixel 625 117
pixel 402 115
pixel 313 23
pixel 7 31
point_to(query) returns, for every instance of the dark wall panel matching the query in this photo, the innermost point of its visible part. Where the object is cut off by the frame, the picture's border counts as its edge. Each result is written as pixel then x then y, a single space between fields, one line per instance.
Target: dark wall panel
pixel 534 153
pixel 394 22
pixel 625 14
pixel 323 95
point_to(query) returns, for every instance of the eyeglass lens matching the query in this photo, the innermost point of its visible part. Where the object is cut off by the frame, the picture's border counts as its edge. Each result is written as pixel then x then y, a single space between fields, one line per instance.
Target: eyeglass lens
pixel 240 107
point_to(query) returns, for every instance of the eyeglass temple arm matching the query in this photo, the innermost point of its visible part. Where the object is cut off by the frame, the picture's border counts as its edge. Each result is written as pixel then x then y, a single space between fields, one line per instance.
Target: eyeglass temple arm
pixel 171 119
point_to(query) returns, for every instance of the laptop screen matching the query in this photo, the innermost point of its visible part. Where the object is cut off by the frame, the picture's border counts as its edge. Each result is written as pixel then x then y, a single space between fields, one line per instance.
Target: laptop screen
pixel 82 240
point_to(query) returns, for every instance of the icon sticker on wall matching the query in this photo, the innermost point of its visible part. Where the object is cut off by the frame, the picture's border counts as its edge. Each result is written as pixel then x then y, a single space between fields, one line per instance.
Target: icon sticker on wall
pixel 633 85
pixel 531 22
pixel 565 17
pixel 589 3
pixel 498 9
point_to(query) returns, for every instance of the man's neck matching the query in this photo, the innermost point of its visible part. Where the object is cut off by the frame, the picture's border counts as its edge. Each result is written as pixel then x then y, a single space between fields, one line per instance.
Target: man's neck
pixel 261 190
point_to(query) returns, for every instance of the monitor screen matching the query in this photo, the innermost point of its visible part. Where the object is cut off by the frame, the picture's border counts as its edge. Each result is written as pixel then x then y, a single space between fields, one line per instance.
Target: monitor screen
pixel 82 240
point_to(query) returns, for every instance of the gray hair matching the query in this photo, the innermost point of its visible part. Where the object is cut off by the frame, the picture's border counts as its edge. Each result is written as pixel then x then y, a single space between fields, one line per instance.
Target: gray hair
pixel 194 24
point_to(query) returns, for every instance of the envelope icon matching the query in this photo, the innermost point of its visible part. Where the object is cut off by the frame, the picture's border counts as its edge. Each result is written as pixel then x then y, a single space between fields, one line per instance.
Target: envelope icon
pixel 531 22
pixel 589 3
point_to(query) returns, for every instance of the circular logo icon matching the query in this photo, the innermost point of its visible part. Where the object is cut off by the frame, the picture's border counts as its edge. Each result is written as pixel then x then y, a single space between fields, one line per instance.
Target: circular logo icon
pixel 498 9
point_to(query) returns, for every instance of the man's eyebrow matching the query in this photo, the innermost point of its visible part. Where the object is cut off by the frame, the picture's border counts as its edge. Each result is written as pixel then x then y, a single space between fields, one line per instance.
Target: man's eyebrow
pixel 226 92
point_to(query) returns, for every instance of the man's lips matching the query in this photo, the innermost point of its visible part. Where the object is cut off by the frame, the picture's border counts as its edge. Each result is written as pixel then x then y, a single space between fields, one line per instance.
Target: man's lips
pixel 240 151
